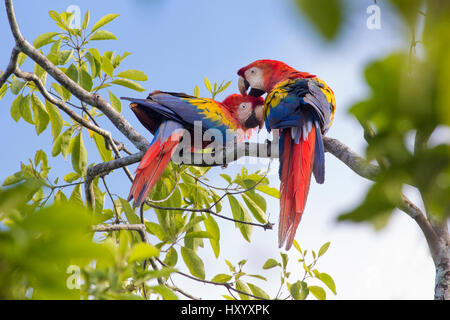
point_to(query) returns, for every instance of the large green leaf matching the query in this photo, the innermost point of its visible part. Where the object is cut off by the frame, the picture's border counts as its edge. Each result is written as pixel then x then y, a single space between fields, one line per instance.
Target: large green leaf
pixel 241 214
pixel 79 154
pixel 41 117
pixel 129 84
pixel 115 102
pixel 103 21
pixel 326 15
pixel 103 35
pixel 62 142
pixel 44 39
pixel 133 75
pixel 193 262
pixel 56 120
pixel 142 251
pixel 25 109
pixel 318 292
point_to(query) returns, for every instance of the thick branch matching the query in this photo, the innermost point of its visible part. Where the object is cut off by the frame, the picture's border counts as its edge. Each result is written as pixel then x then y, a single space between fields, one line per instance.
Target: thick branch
pixel 11 66
pixel 94 100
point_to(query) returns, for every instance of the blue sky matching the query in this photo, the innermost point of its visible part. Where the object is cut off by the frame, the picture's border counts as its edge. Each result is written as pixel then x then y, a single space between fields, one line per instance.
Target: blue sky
pixel 178 43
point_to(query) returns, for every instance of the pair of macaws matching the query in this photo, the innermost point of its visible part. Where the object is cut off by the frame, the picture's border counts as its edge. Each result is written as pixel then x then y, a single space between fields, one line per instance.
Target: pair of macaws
pixel 298 104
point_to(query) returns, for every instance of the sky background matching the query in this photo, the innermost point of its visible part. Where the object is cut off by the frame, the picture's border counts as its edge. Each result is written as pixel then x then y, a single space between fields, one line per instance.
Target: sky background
pixel 177 43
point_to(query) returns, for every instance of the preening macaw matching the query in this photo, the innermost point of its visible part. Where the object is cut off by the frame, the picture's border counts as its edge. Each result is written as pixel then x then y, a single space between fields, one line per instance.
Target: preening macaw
pixel 302 107
pixel 167 114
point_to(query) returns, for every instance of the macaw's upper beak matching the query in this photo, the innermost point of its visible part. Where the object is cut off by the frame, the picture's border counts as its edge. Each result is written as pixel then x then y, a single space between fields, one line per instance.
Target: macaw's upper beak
pixel 243 86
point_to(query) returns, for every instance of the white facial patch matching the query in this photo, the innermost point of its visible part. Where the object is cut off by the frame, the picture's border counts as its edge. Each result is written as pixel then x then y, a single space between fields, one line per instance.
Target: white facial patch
pixel 244 111
pixel 254 76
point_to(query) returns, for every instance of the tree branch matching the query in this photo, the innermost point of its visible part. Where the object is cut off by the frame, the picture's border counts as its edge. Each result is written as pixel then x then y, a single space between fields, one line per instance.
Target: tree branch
pixel 94 100
pixel 11 66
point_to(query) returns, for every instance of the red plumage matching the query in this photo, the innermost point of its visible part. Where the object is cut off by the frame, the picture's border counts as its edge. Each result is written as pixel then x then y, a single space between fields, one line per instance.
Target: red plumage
pixel 152 166
pixel 298 160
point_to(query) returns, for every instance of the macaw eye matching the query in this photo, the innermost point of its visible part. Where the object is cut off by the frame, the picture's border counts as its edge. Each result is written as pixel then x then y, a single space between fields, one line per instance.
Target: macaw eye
pixel 243 106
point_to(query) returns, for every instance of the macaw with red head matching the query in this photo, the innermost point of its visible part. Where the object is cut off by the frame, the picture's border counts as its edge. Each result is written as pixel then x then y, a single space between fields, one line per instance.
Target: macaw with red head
pixel 167 114
pixel 302 107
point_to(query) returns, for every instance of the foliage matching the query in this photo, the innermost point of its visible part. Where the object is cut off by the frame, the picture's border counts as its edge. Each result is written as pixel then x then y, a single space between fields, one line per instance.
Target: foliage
pixel 408 99
pixel 46 226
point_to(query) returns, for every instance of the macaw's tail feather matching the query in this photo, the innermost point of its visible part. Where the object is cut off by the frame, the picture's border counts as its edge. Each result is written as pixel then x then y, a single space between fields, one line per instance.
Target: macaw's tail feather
pixel 296 165
pixel 155 161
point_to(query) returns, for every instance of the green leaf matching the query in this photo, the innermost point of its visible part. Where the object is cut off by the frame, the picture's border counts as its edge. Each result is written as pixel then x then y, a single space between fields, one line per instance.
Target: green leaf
pixel 53 55
pixel 193 262
pixel 294 289
pixel 304 291
pixel 165 292
pixel 13 179
pixel 85 80
pixel 15 108
pixel 242 287
pixel 133 75
pixel 3 90
pixel 56 120
pixel 76 196
pixel 115 102
pixel 25 110
pixel 62 142
pixel 197 91
pixel 44 39
pixel 284 259
pixel 107 67
pixel 72 73
pixel 269 190
pixel 41 118
pixel 21 59
pixel 255 208
pixel 222 278
pixel 213 228
pixel 64 57
pixel 142 251
pixel 103 21
pixel 257 291
pixel 171 258
pixel 198 234
pixel 103 35
pixel 324 249
pixel 129 84
pixel 241 214
pixel 79 155
pixel 86 19
pixel 129 212
pixel 325 15
pixel 297 246
pixel 208 85
pixel 156 230
pixel 270 263
pixel 105 154
pixel 63 92
pixel 318 292
pixel 328 281
pixel 71 177
pixel 17 85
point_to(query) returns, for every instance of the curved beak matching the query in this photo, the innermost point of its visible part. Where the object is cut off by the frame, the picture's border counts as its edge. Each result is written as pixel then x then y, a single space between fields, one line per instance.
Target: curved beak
pixel 243 86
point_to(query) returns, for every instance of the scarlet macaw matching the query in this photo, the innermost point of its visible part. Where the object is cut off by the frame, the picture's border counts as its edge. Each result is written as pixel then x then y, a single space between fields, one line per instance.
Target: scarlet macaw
pixel 302 106
pixel 166 114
